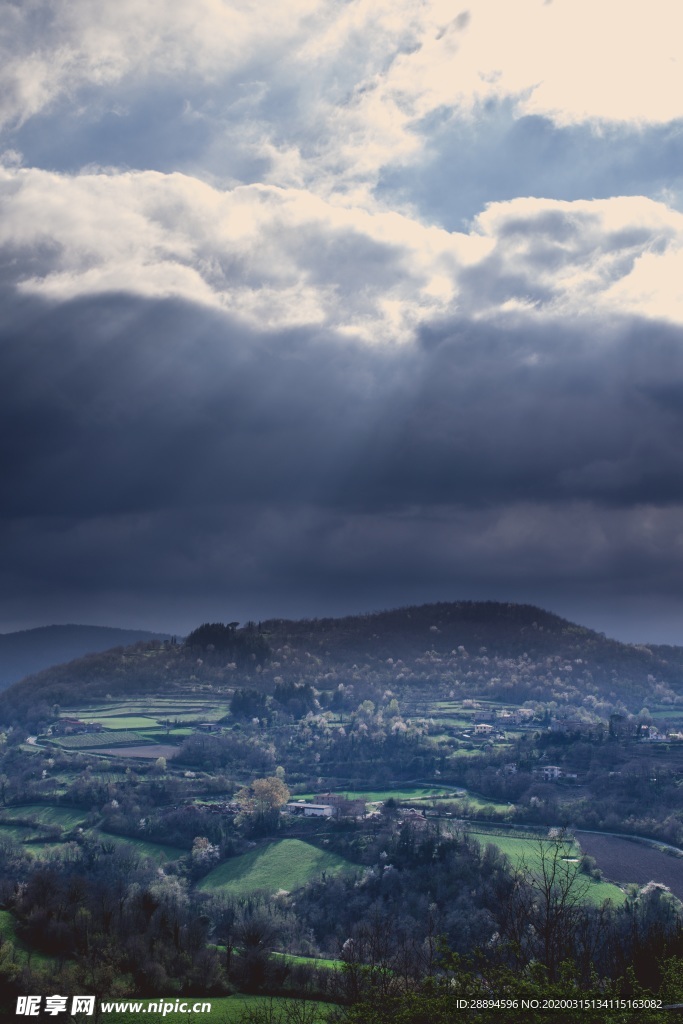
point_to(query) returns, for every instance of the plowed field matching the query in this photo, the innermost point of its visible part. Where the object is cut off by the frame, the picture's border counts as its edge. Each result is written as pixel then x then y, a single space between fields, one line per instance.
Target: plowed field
pixel 623 860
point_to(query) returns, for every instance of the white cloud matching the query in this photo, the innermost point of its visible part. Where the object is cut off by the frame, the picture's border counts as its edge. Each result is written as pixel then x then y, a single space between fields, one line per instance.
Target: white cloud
pixel 54 47
pixel 285 257
pixel 620 255
pixel 331 93
pixel 278 257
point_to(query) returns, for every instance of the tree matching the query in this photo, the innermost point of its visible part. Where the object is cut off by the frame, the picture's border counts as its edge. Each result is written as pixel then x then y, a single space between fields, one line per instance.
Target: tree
pixel 204 852
pixel 239 645
pixel 248 703
pixel 261 802
pixel 553 897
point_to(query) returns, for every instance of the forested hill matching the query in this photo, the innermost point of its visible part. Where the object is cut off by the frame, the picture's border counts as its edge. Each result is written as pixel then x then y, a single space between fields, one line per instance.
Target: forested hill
pixel 503 651
pixel 31 650
pixel 486 640
pixel 506 629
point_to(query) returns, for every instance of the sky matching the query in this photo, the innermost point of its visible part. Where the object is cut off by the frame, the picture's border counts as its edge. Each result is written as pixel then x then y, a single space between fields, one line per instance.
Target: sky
pixel 337 305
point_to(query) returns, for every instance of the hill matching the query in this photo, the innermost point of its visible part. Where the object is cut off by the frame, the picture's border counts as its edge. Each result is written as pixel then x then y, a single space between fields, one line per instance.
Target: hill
pixel 30 650
pixel 287 864
pixel 493 650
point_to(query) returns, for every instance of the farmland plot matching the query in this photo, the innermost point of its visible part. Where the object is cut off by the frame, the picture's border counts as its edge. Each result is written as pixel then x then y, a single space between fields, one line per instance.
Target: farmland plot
pixel 624 860
pixel 524 851
pixel 140 749
pixel 46 814
pixel 287 864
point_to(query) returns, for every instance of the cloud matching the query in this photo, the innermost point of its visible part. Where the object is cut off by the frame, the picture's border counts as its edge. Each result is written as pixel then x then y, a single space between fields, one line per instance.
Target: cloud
pixel 274 342
pixel 539 354
pixel 330 96
pixel 283 258
pixel 55 49
pixel 276 257
pixel 618 254
pixel 135 406
pixel 371 302
pixel 172 569
pixel 161 455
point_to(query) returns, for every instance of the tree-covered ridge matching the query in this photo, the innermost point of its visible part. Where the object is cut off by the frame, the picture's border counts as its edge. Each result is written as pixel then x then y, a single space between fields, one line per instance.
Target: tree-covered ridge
pixel 239 645
pixel 500 651
pixel 211 655
pixel 31 650
pixel 505 629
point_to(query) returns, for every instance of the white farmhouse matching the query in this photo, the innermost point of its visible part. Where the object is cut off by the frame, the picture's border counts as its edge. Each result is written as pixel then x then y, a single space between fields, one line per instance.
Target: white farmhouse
pixel 309 810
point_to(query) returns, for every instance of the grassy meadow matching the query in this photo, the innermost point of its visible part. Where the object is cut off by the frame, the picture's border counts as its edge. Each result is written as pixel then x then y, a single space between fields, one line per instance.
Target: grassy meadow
pixel 526 851
pixel 224 1010
pixel 23 954
pixel 286 864
pixel 45 814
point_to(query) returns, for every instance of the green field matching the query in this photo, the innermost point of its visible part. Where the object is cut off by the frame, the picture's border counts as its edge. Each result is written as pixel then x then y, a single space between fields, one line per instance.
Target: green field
pixel 161 734
pixel 286 864
pixel 224 1010
pixel 19 833
pixel 373 796
pixel 23 953
pixel 67 817
pixel 157 851
pixel 480 803
pixel 523 850
pixel 43 850
pixel 432 795
pixel 37 844
pixel 310 961
pixel 122 721
pixel 130 719
pixel 100 739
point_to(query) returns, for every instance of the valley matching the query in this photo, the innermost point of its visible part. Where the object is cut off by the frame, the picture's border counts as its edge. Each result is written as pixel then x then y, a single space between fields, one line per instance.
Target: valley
pixel 296 782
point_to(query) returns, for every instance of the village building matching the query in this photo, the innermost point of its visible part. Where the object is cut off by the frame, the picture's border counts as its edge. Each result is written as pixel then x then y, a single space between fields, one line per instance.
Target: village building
pixel 343 807
pixel 309 810
pixel 414 817
pixel 550 772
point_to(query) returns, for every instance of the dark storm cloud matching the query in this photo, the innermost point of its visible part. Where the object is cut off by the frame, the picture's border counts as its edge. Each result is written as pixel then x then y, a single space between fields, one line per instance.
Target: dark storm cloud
pixel 125 405
pixel 122 405
pixel 247 379
pixel 162 463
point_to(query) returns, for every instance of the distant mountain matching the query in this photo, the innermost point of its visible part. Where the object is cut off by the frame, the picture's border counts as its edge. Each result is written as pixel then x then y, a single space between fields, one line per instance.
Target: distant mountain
pixel 31 650
pixel 489 649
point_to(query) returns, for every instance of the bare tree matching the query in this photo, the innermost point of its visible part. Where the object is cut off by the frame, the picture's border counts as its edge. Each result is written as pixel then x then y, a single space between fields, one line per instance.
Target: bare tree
pixel 554 898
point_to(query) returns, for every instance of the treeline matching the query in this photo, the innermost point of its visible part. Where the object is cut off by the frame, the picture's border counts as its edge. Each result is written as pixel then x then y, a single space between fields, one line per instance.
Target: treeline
pixel 462 649
pixel 242 646
pixel 425 919
pixel 212 655
pixel 522 633
pixel 626 786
